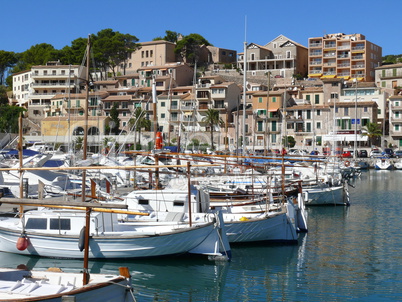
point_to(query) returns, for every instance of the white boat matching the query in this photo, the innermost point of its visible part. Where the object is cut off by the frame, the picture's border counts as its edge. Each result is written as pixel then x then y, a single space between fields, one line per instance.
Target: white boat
pixel 59 233
pixel 248 223
pixel 325 195
pixel 398 164
pixel 55 285
pixel 383 164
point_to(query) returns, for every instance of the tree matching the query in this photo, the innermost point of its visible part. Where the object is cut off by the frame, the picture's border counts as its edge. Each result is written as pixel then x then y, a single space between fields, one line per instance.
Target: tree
pixel 111 48
pixel 7 60
pixel 74 54
pixel 3 95
pixel 171 36
pixel 138 122
pixel 373 131
pixel 38 54
pixel 114 116
pixel 9 118
pixel 288 141
pixel 189 47
pixel 213 119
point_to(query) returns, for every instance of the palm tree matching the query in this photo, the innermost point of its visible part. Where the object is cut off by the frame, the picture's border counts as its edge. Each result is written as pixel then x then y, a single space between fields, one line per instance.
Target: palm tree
pixel 372 130
pixel 138 122
pixel 213 119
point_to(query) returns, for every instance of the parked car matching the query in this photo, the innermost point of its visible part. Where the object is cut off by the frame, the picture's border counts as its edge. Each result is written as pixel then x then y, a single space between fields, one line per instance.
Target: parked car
pixel 347 154
pixel 388 152
pixel 298 152
pixel 398 154
pixel 362 153
pixel 375 153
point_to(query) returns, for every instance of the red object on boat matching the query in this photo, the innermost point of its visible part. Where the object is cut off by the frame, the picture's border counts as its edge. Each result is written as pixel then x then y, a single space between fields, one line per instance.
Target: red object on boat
pixel 158 140
pixel 22 243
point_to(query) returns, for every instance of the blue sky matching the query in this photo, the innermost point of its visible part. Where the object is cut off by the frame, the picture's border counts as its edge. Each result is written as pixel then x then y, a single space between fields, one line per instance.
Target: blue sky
pixel 223 23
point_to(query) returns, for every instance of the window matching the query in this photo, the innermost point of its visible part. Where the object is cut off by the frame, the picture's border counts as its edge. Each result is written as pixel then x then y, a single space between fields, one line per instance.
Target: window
pixel 317 99
pixel 36 223
pixel 396 128
pixel 259 126
pixel 334 95
pixel 396 114
pixel 379 111
pixel 308 97
pixel 318 125
pixel 308 114
pixel 365 109
pixel 308 127
pixel 318 112
pixel 163 104
pixel 124 105
pixel 93 102
pixel 60 224
pixel 260 100
pixel 163 115
pixel 274 99
pixel 346 111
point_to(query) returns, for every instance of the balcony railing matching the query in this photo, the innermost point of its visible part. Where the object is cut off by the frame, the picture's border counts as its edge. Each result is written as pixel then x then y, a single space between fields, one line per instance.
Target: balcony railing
pixel 315 45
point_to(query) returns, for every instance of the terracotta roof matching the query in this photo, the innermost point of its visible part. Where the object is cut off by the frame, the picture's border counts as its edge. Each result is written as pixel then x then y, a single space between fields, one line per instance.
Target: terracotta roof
pixel 106 82
pixel 118 98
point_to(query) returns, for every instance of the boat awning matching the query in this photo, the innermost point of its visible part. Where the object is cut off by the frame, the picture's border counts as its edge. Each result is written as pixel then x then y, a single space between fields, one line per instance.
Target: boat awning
pixel 344 138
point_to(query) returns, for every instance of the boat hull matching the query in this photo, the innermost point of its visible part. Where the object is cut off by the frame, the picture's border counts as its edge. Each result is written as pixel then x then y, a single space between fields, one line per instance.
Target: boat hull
pixel 325 196
pixel 109 247
pixel 275 228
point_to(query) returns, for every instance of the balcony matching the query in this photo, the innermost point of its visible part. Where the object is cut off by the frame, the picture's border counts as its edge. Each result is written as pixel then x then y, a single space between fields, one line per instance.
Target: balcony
pixel 205 86
pixel 343 47
pixel 57 75
pixel 344 65
pixel 330 45
pixel 315 54
pixel 358 66
pixel 315 63
pixel 315 44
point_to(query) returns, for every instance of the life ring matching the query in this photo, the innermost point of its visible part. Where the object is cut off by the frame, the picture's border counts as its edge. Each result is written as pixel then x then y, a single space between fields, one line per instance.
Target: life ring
pixel 347 163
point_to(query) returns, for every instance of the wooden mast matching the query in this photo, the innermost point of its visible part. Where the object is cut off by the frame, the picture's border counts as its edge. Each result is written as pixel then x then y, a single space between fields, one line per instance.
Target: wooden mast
pixel 84 157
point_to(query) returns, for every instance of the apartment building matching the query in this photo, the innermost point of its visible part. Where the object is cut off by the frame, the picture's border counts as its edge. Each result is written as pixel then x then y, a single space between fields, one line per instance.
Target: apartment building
pixel 282 57
pixel 267 118
pixel 389 77
pixel 35 88
pixel 149 54
pixel 343 56
pixel 395 120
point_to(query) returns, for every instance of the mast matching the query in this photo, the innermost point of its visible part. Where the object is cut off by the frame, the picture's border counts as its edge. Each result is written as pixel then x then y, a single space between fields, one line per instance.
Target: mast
pixel 84 173
pixel 266 138
pixel 244 94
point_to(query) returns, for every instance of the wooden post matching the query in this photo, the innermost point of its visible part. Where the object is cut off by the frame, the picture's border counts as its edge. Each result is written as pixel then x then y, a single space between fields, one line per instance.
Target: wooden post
pixel 189 193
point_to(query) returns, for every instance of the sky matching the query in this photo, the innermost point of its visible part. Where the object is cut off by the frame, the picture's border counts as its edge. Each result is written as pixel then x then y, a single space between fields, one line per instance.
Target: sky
pixel 224 23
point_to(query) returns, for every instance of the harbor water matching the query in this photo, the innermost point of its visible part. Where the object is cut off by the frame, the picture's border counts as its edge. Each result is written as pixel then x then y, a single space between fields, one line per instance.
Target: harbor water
pixel 349 254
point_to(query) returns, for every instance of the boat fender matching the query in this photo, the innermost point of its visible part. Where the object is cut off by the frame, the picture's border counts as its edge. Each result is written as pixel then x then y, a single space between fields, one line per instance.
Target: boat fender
pixel 347 163
pixel 22 243
pixel 243 219
pixel 81 240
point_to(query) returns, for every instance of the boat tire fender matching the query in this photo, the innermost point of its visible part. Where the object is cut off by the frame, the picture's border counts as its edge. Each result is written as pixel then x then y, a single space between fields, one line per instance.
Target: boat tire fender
pixel 81 240
pixel 347 163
